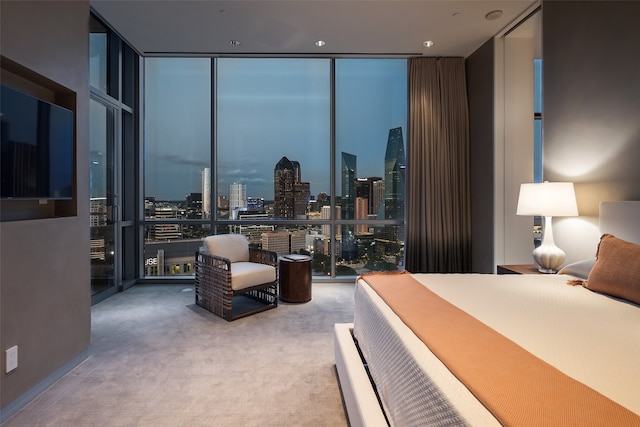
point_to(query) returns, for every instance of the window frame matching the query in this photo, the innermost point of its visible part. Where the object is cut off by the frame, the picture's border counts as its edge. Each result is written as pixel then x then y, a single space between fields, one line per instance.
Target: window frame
pixel 220 225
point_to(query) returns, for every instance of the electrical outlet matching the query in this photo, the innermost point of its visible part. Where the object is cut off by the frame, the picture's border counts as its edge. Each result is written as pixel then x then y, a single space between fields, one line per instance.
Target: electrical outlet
pixel 11 358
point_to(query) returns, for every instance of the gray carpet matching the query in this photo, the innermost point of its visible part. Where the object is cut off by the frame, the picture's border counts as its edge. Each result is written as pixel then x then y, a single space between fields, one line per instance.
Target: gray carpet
pixel 156 359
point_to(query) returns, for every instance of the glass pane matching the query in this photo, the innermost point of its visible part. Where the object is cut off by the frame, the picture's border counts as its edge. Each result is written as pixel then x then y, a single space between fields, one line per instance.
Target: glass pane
pixel 537 122
pixel 97 55
pixel 101 197
pixel 374 247
pixel 177 128
pixel 170 249
pixel 129 150
pixel 371 120
pixel 537 85
pixel 176 158
pixel 273 137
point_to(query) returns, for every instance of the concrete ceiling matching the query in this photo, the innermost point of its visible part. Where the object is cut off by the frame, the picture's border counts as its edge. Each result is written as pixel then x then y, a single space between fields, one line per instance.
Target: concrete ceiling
pixel 274 28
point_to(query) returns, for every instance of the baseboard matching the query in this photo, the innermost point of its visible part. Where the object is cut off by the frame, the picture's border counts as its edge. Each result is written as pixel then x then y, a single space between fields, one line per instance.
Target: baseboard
pixel 361 401
pixel 13 407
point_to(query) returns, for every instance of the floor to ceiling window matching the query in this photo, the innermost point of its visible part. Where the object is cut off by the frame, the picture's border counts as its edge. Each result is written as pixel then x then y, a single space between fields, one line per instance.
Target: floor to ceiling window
pixel 103 237
pixel 113 162
pixel 273 133
pixel 371 120
pixel 306 156
pixel 176 162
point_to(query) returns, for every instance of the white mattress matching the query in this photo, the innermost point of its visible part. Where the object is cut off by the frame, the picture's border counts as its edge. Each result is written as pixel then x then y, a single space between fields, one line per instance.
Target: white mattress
pixel 590 337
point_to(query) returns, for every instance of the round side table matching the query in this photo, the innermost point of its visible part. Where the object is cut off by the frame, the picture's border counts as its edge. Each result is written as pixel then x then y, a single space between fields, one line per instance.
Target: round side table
pixel 295 278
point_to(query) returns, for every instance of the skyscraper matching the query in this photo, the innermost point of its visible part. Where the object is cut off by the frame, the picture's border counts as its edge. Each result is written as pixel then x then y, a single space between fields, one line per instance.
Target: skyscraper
pixel 394 176
pixel 297 173
pixel 237 196
pixel 362 203
pixel 283 189
pixel 291 195
pixel 302 194
pixel 394 186
pixel 362 212
pixel 206 193
pixel 349 175
pixel 323 200
pixel 194 206
pixel 326 214
pixel 372 189
pixel 377 196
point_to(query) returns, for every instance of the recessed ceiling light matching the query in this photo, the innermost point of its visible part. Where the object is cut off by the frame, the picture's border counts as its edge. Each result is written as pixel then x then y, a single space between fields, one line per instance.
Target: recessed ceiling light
pixel 234 42
pixel 320 43
pixel 494 14
pixel 428 43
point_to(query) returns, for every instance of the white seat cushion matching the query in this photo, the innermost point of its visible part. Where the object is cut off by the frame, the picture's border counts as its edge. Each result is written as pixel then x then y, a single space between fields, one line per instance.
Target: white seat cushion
pixel 234 247
pixel 247 274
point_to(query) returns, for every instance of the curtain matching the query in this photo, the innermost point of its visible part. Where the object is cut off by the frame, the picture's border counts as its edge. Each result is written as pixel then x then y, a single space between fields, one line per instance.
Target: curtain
pixel 438 228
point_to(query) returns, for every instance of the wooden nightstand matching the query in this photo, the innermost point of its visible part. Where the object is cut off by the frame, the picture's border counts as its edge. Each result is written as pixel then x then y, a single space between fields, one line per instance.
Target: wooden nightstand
pixel 518 269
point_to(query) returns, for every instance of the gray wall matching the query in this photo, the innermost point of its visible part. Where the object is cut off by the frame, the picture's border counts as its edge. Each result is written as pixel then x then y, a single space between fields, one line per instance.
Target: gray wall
pixel 480 89
pixel 591 98
pixel 591 107
pixel 45 305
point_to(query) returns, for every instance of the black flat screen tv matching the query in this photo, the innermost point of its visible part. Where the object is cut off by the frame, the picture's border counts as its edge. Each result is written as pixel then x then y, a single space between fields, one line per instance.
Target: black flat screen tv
pixel 36 148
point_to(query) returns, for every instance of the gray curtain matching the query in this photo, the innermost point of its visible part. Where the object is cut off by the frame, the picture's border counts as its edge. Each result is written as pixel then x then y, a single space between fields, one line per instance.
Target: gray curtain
pixel 438 229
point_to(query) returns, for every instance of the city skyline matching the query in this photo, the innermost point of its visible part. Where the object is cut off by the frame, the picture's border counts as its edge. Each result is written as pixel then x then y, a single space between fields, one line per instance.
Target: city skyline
pixel 360 197
pixel 269 182
pixel 247 196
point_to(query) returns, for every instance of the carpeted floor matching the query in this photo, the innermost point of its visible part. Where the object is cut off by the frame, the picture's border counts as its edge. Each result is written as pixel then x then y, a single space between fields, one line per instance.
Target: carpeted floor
pixel 156 359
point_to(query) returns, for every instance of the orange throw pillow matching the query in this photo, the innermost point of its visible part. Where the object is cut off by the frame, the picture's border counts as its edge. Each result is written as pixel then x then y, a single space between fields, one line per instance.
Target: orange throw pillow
pixel 616 271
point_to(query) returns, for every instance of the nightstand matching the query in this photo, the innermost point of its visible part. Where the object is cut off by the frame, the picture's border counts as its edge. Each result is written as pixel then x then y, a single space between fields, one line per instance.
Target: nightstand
pixel 518 269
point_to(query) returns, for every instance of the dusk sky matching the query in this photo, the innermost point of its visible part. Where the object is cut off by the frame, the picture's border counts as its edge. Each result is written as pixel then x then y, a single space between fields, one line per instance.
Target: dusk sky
pixel 266 109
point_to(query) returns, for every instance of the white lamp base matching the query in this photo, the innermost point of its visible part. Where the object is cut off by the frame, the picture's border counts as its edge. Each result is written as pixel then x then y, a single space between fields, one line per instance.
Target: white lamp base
pixel 548 256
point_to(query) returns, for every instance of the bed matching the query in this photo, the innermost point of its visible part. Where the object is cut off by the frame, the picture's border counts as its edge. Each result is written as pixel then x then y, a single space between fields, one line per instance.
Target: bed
pixel 537 350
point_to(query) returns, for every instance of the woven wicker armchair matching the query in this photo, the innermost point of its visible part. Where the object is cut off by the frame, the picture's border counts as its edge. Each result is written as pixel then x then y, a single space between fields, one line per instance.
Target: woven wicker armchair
pixel 234 280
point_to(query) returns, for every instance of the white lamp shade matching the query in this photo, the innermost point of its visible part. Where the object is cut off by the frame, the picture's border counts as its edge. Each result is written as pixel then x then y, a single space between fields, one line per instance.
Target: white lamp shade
pixel 547 199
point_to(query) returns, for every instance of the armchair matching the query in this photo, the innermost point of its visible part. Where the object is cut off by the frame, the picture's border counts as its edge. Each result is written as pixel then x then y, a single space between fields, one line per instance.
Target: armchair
pixel 234 280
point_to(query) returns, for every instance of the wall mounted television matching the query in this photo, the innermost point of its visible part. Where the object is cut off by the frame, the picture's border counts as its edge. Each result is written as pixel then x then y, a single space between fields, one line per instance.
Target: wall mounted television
pixel 36 148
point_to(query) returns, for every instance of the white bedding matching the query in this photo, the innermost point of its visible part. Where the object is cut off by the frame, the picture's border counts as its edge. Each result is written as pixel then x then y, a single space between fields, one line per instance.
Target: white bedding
pixel 593 338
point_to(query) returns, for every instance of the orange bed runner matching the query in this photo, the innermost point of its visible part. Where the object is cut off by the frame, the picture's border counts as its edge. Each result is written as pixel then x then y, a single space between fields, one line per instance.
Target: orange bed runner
pixel 518 388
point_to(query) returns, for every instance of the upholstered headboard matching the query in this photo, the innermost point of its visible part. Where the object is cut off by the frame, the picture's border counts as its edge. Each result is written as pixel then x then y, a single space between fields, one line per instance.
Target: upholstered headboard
pixel 622 219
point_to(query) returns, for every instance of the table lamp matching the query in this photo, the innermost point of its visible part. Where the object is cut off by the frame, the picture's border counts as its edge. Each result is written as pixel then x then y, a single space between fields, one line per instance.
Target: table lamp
pixel 547 199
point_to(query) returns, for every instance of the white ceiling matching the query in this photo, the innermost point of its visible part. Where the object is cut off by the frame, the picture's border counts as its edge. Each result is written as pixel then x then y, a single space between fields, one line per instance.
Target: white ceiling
pixel 268 27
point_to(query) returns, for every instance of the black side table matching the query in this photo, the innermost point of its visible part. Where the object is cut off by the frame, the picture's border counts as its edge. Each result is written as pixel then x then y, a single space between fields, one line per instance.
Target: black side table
pixel 295 278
